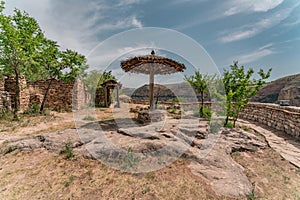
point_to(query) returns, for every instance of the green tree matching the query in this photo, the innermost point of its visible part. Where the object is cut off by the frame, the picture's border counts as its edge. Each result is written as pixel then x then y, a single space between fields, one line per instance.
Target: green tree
pixel 200 83
pixel 60 65
pixel 239 88
pixel 94 79
pixel 20 39
pixel 105 76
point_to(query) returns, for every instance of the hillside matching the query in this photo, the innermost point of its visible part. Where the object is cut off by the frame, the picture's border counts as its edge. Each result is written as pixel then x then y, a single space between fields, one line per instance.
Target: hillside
pixel 286 88
pixel 163 92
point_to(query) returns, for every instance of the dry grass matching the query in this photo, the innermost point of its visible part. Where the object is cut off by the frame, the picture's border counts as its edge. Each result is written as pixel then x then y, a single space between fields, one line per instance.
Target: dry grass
pixel 273 176
pixel 32 125
pixel 43 175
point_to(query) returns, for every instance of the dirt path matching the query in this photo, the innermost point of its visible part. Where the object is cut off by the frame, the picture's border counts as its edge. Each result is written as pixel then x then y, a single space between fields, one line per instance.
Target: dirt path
pixel 286 146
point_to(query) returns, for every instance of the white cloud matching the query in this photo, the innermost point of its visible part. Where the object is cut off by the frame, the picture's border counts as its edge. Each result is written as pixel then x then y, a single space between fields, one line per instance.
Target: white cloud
pixel 79 25
pixel 177 2
pixel 136 23
pixel 241 6
pixel 250 30
pixel 129 2
pixel 238 35
pixel 255 55
pixel 131 22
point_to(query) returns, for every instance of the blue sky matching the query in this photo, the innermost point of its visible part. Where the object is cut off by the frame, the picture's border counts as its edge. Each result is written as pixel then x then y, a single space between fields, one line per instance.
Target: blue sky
pixel 257 33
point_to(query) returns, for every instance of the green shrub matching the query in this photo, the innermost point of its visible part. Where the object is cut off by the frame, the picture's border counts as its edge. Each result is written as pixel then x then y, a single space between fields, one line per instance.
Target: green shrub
pixel 245 128
pixel 130 159
pixel 215 126
pixel 5 115
pixel 207 113
pixel 32 110
pixel 10 149
pixel 229 125
pixel 68 151
pixel 89 118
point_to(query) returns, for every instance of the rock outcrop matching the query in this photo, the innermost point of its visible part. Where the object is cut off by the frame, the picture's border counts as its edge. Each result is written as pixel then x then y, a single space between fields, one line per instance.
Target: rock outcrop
pixel 139 149
pixel 287 88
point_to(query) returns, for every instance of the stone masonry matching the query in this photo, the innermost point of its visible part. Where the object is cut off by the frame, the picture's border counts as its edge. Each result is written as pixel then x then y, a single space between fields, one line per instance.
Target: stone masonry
pixel 5 101
pixel 61 96
pixel 286 119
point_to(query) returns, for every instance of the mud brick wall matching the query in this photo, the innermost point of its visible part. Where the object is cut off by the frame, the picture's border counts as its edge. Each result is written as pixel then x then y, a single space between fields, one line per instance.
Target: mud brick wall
pixel 81 97
pixel 10 88
pixel 286 119
pixel 4 97
pixel 61 96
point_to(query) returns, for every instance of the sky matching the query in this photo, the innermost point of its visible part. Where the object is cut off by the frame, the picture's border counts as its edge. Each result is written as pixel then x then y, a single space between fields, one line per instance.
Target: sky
pixel 257 33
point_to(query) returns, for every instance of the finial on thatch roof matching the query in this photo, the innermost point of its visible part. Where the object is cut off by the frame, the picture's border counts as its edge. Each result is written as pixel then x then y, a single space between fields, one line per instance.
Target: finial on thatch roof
pixel 152 52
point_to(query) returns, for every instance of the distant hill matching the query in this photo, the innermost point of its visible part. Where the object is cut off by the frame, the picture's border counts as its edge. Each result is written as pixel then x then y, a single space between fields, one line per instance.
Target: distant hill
pixel 286 88
pixel 164 92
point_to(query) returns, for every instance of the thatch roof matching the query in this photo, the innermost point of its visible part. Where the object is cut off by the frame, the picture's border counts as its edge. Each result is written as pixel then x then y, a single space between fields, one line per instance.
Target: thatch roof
pixel 110 83
pixel 159 64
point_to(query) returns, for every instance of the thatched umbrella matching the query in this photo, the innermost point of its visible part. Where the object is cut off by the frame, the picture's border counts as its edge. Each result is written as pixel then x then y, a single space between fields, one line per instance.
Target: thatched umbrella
pixel 151 64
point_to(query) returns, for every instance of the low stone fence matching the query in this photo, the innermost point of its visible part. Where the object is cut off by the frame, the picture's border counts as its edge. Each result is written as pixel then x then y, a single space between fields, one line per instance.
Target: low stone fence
pixel 283 118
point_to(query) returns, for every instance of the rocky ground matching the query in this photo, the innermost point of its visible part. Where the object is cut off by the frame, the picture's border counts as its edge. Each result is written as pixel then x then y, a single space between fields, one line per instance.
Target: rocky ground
pixel 117 158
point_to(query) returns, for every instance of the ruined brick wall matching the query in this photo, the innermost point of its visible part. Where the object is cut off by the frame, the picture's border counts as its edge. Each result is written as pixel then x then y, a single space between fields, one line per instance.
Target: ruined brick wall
pixel 286 119
pixel 4 97
pixel 81 97
pixel 100 97
pixel 10 89
pixel 61 96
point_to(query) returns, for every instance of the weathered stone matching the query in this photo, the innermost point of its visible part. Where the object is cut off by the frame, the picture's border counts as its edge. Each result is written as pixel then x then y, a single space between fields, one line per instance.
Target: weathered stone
pixel 61 96
pixel 283 118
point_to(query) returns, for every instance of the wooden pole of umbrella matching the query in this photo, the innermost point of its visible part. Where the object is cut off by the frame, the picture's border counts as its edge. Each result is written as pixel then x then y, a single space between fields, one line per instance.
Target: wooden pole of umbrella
pixel 151 88
pixel 151 64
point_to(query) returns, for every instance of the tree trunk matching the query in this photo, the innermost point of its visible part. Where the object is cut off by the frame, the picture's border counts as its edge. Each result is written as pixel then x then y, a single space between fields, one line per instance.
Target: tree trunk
pixel 226 121
pixel 227 113
pixel 236 117
pixel 202 104
pixel 45 95
pixel 16 96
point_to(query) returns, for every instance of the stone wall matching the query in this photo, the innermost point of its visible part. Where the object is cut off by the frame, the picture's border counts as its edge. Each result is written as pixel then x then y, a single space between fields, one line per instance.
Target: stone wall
pixel 286 119
pixel 81 97
pixel 61 96
pixel 5 101
pixel 10 88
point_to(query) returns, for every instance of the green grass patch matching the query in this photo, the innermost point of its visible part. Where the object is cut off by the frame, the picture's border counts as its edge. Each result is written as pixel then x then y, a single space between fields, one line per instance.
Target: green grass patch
pixel 89 118
pixel 68 151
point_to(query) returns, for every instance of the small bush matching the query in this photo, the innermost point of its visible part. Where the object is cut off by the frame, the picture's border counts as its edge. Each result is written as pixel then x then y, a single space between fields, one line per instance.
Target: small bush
pixel 245 128
pixel 89 118
pixel 229 125
pixel 176 100
pixel 32 110
pixel 68 151
pixel 172 110
pixel 215 127
pixel 68 182
pixel 10 149
pixel 150 175
pixel 207 113
pixel 5 115
pixel 130 159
